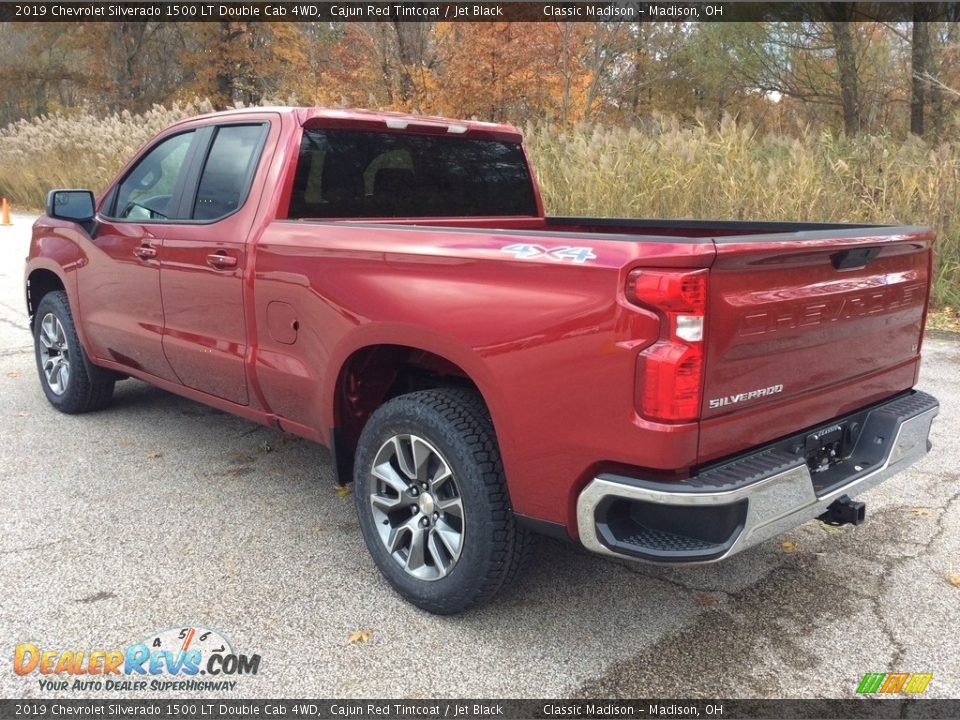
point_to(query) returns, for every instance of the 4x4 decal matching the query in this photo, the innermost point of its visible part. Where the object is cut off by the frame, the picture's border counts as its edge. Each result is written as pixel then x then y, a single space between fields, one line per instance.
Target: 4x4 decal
pixel 525 251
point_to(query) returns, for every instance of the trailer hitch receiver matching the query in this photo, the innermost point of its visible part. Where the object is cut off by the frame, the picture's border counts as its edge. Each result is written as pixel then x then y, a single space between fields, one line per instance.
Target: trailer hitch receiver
pixel 844 511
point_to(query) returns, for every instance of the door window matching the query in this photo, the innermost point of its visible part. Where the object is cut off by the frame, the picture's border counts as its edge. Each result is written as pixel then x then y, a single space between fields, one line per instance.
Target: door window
pixel 228 171
pixel 150 190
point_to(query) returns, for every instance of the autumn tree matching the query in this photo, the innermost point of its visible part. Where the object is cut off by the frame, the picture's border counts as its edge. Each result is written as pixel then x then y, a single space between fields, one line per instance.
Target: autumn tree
pixel 413 59
pixel 38 69
pixel 842 71
pixel 841 15
pixel 384 65
pixel 512 71
pixel 824 69
pixel 246 62
pixel 605 45
pixel 123 65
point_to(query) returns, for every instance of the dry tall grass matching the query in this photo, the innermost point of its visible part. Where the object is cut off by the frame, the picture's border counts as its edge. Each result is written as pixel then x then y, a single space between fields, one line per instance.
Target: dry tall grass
pixel 77 150
pixel 671 171
pixel 666 170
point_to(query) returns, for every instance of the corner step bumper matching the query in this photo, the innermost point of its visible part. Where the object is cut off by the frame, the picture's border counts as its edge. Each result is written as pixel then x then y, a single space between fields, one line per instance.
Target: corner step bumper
pixel 728 507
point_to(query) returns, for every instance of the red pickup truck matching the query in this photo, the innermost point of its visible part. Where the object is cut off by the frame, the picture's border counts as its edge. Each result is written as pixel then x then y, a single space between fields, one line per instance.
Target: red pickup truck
pixel 390 286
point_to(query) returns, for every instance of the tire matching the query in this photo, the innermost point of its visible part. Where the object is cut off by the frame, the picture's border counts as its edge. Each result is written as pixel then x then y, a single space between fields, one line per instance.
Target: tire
pixel 470 546
pixel 70 382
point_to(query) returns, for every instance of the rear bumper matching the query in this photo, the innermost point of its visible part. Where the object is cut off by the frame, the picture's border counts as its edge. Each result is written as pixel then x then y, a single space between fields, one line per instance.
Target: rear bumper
pixel 733 505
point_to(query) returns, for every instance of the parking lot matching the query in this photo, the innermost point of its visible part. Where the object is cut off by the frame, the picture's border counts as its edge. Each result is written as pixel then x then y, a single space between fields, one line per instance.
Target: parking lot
pixel 160 513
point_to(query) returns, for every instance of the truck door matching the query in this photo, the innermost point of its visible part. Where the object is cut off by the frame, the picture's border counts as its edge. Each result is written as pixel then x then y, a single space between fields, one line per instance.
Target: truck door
pixel 120 288
pixel 204 262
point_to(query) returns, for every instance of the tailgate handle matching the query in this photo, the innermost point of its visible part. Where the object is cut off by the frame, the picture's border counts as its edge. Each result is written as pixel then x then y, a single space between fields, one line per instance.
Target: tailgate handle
pixel 854 258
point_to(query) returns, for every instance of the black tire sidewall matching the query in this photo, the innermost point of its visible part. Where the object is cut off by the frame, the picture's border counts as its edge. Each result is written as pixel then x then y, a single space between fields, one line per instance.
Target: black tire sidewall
pixel 478 558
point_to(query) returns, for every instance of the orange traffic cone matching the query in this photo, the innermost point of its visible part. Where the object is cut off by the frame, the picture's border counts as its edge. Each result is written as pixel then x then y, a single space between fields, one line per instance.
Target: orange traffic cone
pixel 6 213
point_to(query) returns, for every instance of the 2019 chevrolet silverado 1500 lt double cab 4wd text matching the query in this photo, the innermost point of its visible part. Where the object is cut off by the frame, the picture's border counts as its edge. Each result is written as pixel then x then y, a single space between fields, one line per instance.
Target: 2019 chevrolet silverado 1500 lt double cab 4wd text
pixel 390 286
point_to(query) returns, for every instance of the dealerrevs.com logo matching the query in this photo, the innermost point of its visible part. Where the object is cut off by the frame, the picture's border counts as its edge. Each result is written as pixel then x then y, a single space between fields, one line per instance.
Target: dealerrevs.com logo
pixel 178 659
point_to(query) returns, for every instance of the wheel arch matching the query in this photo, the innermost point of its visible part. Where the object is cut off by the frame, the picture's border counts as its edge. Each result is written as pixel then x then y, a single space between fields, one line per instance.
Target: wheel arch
pixel 375 373
pixel 41 281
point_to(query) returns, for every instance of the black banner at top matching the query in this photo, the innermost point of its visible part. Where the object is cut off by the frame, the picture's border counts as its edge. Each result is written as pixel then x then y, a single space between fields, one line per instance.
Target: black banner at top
pixel 464 11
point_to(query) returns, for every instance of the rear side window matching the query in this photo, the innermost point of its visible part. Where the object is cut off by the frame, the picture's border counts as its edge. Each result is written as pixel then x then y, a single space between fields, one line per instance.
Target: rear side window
pixel 228 171
pixel 149 190
pixel 369 174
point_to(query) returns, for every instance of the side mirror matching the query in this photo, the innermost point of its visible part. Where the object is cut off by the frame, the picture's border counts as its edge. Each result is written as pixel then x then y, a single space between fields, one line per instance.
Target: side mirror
pixel 74 205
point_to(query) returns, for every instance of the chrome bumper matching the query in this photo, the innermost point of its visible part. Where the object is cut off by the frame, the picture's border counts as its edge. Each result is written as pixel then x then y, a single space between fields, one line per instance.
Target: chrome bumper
pixel 759 495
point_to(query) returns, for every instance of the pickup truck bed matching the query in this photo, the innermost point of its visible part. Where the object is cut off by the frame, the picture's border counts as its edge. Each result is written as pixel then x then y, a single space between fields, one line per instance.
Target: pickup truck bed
pixel 390 286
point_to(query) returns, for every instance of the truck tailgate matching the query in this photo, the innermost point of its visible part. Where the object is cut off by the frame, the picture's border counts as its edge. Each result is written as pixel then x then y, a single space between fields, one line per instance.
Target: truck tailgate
pixel 801 327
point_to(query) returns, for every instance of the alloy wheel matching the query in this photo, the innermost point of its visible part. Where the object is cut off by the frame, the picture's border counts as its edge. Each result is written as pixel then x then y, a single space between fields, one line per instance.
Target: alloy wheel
pixel 417 507
pixel 54 354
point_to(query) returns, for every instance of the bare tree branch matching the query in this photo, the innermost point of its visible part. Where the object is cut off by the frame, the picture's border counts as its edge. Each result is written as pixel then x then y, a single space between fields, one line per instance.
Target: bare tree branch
pixel 935 82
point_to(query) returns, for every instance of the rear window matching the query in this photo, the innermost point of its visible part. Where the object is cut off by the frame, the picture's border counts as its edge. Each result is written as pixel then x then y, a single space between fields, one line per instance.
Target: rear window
pixel 228 171
pixel 369 174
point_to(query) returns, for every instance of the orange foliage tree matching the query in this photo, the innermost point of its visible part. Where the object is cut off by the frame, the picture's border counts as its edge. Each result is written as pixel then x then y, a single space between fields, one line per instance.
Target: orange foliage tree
pixel 246 62
pixel 510 71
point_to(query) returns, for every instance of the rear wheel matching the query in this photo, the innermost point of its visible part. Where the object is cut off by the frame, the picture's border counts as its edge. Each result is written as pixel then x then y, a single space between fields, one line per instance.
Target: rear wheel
pixel 65 373
pixel 432 500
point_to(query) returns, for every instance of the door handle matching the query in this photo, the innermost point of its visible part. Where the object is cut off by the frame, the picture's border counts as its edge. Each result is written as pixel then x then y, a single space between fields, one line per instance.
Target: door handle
pixel 145 252
pixel 221 261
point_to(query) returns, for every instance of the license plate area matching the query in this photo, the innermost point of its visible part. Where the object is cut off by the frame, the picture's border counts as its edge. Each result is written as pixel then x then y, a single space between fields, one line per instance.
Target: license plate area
pixel 847 448
pixel 831 454
pixel 841 451
pixel 828 446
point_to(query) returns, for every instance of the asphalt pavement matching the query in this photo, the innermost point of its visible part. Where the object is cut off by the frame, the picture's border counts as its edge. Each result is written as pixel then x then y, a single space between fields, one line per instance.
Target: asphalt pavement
pixel 161 513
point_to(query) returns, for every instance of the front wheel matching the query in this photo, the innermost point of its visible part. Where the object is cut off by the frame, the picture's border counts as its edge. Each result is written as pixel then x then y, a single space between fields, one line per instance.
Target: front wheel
pixel 432 500
pixel 64 370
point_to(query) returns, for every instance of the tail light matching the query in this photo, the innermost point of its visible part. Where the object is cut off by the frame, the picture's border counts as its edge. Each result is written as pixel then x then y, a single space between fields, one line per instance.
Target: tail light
pixel 670 372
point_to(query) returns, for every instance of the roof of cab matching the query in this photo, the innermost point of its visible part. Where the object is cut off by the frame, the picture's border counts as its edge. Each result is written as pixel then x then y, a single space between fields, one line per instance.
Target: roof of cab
pixel 348 118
